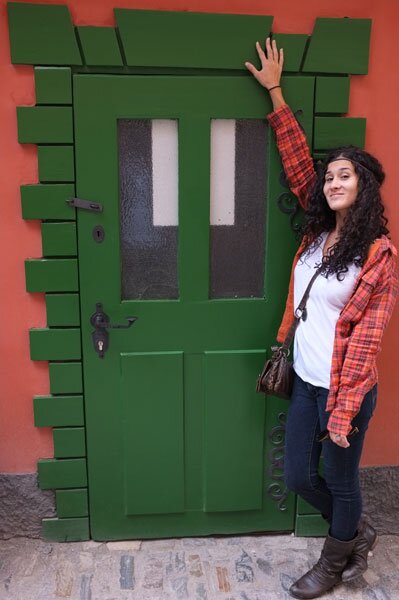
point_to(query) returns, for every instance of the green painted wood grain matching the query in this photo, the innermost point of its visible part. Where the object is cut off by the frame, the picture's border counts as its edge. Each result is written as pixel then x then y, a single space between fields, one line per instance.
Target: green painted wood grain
pixel 55 344
pixel 66 530
pixel 53 85
pixel 51 275
pixel 58 411
pixel 331 132
pixel 66 378
pixel 69 442
pixel 294 45
pixel 41 34
pixel 59 239
pixel 332 94
pixel 100 46
pixel 56 163
pixel 230 39
pixel 72 503
pixel 61 474
pixel 62 310
pixel 339 46
pixel 44 125
pixel 47 201
pixel 310 526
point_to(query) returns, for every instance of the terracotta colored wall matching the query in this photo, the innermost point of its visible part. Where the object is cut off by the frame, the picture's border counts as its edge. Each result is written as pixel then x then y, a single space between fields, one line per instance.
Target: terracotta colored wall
pixel 373 96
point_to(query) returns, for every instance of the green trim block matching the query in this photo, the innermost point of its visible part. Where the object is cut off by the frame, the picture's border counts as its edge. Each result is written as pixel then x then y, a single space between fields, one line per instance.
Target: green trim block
pixel 200 40
pixel 66 378
pixel 51 275
pixel 331 132
pixel 304 508
pixel 47 201
pixel 59 239
pixel 42 34
pixel 62 310
pixel 100 46
pixel 56 163
pixel 339 46
pixel 66 530
pixel 61 474
pixel 311 525
pixel 58 411
pixel 72 503
pixel 69 442
pixel 294 45
pixel 55 344
pixel 53 85
pixel 45 125
pixel 332 94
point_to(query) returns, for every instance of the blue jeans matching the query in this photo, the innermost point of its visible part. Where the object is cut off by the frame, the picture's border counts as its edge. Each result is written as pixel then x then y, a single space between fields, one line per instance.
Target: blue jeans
pixel 336 495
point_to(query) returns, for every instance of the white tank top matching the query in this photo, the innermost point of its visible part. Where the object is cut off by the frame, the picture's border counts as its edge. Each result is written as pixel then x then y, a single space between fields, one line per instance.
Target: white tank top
pixel 314 338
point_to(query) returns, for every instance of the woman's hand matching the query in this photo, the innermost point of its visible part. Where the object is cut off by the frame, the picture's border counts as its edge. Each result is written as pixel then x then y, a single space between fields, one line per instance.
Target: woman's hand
pixel 272 65
pixel 340 440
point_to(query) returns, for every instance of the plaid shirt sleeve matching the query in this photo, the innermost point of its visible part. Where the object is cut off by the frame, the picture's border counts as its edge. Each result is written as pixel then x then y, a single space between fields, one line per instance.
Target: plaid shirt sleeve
pixel 294 151
pixel 363 346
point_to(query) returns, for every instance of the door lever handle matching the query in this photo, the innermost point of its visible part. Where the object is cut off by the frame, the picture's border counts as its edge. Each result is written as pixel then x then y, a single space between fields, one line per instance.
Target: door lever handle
pixel 100 335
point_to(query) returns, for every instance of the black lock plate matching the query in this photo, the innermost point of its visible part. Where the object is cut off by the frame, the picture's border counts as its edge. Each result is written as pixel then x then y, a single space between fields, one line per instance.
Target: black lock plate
pixel 98 234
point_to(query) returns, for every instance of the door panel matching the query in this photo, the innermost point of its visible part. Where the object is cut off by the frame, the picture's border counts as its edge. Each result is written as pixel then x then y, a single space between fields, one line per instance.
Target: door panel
pixel 178 441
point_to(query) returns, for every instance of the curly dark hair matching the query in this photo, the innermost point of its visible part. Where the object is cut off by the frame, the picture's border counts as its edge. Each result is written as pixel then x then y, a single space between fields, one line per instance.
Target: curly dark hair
pixel 364 222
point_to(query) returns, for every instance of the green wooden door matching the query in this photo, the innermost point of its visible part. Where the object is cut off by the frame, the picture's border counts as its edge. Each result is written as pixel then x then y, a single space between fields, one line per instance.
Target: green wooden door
pixel 178 442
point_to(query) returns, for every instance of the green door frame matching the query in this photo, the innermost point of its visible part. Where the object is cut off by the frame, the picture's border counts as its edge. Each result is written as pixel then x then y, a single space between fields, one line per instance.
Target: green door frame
pixel 66 50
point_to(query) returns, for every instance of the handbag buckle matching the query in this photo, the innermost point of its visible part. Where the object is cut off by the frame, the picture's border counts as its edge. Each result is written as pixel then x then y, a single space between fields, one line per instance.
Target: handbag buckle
pixel 301 313
pixel 280 349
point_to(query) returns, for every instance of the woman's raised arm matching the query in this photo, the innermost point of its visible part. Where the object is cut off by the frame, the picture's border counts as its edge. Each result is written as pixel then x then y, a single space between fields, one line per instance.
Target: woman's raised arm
pixel 291 140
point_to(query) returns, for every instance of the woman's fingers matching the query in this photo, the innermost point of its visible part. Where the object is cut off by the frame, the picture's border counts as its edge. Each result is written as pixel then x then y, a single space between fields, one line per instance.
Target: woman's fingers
pixel 252 69
pixel 261 54
pixel 274 50
pixel 281 59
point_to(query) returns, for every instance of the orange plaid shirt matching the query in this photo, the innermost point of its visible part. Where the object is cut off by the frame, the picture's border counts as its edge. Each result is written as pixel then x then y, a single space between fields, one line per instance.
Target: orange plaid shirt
pixel 361 324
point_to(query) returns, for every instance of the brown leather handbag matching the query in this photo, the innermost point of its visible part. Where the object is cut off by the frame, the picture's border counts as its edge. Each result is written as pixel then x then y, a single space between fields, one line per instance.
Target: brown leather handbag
pixel 277 375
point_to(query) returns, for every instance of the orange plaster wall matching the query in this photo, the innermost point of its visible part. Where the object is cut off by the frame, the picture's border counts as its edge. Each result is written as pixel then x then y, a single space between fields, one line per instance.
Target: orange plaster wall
pixel 373 96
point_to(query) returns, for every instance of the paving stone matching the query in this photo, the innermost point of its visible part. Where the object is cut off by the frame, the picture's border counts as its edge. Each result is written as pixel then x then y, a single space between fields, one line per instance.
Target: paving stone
pixel 126 545
pixel 126 579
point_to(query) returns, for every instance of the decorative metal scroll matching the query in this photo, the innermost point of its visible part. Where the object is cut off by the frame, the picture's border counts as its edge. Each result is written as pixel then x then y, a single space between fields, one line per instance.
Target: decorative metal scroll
pixel 287 202
pixel 277 490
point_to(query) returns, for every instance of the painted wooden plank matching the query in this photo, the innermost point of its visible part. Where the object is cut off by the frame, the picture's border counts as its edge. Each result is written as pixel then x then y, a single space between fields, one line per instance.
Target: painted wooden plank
pixel 330 132
pixel 294 45
pixel 47 201
pixel 53 85
pixel 178 38
pixel 69 442
pixel 100 46
pixel 58 411
pixel 56 163
pixel 339 46
pixel 59 239
pixel 66 530
pixel 42 34
pixel 304 508
pixel 45 125
pixel 311 525
pixel 154 485
pixel 233 470
pixel 62 310
pixel 55 344
pixel 61 474
pixel 51 275
pixel 72 503
pixel 66 378
pixel 332 95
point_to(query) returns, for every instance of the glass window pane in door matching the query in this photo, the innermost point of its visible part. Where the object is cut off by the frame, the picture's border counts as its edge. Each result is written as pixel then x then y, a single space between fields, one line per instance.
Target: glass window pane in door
pixel 148 192
pixel 238 208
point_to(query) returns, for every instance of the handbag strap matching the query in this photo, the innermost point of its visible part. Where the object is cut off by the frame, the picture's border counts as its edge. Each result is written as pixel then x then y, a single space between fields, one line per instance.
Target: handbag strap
pixel 300 312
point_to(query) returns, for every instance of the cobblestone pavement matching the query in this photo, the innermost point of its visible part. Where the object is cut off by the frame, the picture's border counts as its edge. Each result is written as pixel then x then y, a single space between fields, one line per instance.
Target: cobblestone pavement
pixel 230 568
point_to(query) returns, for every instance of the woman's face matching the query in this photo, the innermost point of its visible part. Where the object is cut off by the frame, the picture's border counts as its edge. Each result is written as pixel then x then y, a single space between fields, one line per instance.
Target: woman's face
pixel 340 185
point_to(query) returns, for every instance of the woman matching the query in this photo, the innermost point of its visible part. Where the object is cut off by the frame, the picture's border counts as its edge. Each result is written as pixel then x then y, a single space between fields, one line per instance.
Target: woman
pixel 335 348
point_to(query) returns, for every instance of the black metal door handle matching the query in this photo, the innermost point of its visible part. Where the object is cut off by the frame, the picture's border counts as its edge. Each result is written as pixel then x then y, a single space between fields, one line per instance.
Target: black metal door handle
pixel 100 322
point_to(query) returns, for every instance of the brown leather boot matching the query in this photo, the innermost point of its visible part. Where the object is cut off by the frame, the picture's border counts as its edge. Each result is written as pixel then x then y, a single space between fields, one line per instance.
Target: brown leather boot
pixel 365 541
pixel 327 571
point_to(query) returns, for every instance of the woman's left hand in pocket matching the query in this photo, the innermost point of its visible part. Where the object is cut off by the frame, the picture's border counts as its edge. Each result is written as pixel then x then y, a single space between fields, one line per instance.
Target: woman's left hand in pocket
pixel 340 440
